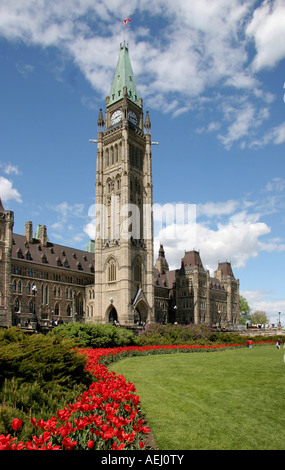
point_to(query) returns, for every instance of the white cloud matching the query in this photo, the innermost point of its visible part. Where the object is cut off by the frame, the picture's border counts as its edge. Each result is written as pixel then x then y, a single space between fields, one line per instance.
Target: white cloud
pixel 237 239
pixel 89 229
pixel 194 47
pixel 275 136
pixel 197 44
pixel 232 230
pixel 277 184
pixel 214 209
pixel 9 168
pixel 267 29
pixel 7 192
pixel 66 211
pixel 266 301
pixel 244 120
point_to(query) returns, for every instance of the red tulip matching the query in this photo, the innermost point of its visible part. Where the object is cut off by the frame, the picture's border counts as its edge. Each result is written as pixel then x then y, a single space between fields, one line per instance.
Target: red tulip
pixel 90 444
pixel 16 424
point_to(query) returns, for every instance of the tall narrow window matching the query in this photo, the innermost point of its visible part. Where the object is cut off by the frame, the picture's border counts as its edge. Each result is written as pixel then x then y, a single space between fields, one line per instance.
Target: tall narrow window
pixel 138 271
pixel 112 271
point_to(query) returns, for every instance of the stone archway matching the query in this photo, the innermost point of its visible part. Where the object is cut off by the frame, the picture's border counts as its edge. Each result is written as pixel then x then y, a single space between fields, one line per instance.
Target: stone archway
pixel 112 315
pixel 141 312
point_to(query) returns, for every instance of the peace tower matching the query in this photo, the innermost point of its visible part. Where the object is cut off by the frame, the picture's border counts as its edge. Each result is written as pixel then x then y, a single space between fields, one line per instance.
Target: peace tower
pixel 124 288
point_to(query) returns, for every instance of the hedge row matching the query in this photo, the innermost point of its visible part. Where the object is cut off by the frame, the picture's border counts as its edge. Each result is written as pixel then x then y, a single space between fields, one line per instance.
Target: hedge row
pixel 90 335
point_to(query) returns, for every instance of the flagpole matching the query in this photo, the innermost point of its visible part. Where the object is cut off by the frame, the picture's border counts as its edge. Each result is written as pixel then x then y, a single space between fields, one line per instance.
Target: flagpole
pixel 125 23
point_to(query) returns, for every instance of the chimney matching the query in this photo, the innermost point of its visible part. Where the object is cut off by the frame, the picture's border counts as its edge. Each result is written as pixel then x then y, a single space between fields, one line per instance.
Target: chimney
pixel 29 231
pixel 43 235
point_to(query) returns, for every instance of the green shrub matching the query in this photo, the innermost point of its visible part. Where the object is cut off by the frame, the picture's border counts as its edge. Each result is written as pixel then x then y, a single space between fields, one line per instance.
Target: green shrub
pixel 235 338
pixel 38 375
pixel 174 334
pixel 25 400
pixel 47 359
pixel 91 335
pixel 11 335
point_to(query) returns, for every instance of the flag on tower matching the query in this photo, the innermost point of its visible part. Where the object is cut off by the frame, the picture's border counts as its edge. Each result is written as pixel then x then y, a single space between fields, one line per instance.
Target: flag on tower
pixel 125 21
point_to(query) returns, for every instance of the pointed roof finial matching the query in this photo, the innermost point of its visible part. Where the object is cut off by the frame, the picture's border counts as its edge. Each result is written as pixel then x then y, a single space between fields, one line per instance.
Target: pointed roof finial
pixel 100 121
pixel 147 124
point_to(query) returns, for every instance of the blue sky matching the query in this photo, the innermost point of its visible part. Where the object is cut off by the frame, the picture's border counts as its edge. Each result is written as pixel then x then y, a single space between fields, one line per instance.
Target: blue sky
pixel 211 74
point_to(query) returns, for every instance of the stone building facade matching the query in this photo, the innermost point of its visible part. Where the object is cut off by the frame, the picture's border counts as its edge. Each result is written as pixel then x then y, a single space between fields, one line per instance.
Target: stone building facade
pixel 115 279
pixel 41 281
pixel 191 295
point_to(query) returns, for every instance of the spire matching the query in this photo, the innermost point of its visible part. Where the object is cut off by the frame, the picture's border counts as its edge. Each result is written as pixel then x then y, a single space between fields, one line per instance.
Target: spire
pixel 100 122
pixel 161 263
pixel 124 77
pixel 147 124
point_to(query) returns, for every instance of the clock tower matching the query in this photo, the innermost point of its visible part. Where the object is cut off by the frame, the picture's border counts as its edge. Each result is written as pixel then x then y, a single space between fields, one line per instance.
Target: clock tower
pixel 124 289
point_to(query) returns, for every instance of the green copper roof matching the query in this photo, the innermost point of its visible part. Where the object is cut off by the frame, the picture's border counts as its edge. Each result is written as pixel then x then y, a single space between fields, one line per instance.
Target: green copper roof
pixel 124 76
pixel 91 246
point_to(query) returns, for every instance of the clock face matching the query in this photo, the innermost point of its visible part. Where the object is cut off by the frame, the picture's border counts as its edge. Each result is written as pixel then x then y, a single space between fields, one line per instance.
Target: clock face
pixel 116 117
pixel 133 118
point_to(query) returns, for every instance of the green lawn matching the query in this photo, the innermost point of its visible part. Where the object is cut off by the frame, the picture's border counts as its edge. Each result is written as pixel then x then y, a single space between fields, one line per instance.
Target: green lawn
pixel 219 400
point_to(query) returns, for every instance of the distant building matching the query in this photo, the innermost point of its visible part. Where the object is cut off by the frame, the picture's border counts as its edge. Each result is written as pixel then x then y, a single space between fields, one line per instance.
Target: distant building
pixel 191 295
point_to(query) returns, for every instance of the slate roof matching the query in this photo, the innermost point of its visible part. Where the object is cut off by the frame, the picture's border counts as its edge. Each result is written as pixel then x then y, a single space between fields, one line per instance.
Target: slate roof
pixel 52 255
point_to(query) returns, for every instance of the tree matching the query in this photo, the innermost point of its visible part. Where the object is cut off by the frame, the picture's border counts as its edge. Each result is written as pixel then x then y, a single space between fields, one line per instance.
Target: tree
pixel 259 316
pixel 244 310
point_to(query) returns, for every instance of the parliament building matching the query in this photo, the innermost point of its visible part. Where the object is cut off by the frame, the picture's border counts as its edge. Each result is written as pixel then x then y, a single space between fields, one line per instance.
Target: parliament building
pixel 116 278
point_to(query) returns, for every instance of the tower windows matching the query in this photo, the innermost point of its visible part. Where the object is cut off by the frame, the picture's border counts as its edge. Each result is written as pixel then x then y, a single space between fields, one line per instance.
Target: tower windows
pixel 31 306
pixel 112 270
pixel 136 157
pixel 112 155
pixel 138 271
pixel 16 305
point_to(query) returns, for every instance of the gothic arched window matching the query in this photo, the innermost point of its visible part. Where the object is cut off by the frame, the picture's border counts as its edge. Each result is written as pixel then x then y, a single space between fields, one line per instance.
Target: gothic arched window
pixel 138 271
pixel 107 158
pixel 112 270
pixel 16 305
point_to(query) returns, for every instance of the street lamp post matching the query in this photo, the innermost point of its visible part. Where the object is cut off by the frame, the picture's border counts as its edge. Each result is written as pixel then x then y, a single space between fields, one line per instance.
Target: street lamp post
pixel 175 313
pixel 35 318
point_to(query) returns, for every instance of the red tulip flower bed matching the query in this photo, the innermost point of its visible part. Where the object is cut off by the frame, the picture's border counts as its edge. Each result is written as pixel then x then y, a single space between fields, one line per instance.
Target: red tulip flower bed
pixel 107 416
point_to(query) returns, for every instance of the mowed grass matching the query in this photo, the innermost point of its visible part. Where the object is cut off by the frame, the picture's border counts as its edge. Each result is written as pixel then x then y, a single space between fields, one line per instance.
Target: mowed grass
pixel 229 400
